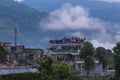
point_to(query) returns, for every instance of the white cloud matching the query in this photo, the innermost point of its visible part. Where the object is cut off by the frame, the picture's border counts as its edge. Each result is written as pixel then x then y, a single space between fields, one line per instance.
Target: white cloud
pixel 70 17
pixel 77 34
pixel 19 0
pixel 106 44
pixel 78 19
pixel 102 39
pixel 117 37
pixel 110 1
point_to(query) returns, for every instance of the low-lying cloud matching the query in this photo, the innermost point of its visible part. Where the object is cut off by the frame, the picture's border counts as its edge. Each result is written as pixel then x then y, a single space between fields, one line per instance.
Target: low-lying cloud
pixel 105 44
pixel 69 17
pixel 19 0
pixel 110 1
pixel 78 21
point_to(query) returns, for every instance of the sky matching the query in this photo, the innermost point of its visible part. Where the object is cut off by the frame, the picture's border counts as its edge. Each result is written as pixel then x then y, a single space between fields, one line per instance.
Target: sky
pixel 110 1
pixel 70 17
pixel 19 0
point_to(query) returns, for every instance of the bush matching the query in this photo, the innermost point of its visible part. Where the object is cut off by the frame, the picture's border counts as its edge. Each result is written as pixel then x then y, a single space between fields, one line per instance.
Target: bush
pixel 24 76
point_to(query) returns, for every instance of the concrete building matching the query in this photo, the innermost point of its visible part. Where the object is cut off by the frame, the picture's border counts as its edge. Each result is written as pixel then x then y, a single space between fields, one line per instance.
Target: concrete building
pixel 32 55
pixel 68 50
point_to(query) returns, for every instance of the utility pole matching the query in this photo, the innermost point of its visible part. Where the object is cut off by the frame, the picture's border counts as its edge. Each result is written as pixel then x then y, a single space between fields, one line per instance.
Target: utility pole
pixel 15 43
pixel 15 33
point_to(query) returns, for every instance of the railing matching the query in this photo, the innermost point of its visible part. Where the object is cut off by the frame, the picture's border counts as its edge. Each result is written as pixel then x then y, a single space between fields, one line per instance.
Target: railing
pixel 65 50
pixel 10 71
pixel 65 44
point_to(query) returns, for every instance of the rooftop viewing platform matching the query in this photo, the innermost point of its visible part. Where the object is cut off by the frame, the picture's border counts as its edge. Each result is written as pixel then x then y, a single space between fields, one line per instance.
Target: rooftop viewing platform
pixel 67 41
pixel 66 45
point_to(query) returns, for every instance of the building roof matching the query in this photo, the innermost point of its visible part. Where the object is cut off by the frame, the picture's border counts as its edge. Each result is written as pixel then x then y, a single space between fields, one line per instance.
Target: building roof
pixel 64 53
pixel 33 49
pixel 82 61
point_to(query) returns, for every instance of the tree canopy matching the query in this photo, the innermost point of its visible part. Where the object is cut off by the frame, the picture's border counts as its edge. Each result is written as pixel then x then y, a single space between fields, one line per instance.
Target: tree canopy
pixel 89 64
pixel 52 71
pixel 46 65
pixel 87 50
pixel 61 71
pixel 116 50
pixel 3 54
pixel 101 56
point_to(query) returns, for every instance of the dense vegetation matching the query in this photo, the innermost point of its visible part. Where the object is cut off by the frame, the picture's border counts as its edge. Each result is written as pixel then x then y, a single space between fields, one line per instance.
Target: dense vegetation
pixel 60 71
pixel 116 50
pixel 3 54
pixel 47 71
pixel 24 76
pixel 87 52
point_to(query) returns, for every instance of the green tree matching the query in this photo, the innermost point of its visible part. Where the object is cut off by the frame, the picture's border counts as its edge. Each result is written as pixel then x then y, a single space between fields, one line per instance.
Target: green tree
pixel 61 71
pixel 52 71
pixel 46 65
pixel 74 76
pixel 108 52
pixel 3 54
pixel 110 60
pixel 100 53
pixel 89 64
pixel 103 56
pixel 87 50
pixel 116 50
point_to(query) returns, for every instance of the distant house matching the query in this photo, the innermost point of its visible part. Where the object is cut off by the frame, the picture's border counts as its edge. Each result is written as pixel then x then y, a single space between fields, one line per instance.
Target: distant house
pixel 6 45
pixel 17 49
pixel 12 48
pixel 20 53
pixel 32 55
pixel 79 66
pixel 33 51
pixel 17 52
